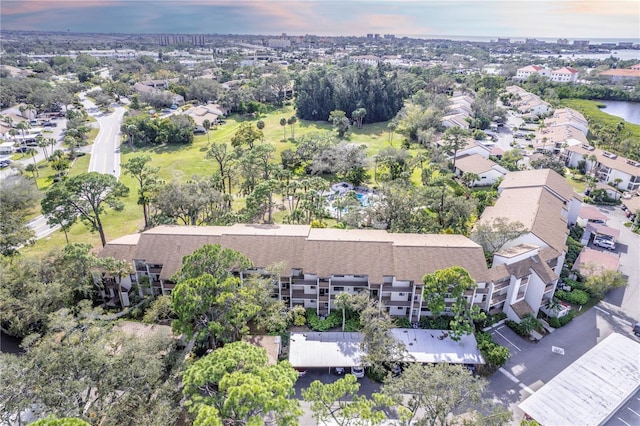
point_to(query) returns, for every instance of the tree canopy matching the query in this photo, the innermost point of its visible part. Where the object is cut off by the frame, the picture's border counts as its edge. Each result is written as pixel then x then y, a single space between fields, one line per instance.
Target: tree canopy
pixel 234 385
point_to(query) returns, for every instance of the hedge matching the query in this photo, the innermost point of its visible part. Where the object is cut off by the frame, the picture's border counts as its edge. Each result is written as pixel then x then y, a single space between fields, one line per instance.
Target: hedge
pixel 559 322
pixel 492 352
pixel 576 297
pixel 318 324
pixel 519 330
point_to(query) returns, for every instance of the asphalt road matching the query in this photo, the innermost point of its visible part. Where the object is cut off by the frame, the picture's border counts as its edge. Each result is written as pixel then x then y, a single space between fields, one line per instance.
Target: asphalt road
pixel 533 364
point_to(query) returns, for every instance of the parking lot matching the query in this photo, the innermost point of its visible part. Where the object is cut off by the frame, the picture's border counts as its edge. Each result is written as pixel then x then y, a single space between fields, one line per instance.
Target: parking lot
pixel 628 414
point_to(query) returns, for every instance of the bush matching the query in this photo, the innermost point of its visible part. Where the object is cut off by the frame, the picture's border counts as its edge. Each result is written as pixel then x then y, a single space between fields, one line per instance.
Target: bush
pixel 576 297
pixel 493 353
pixel 489 320
pixel 559 322
pixel 403 323
pixel 318 324
pixel 299 318
pixel 517 328
pixel 436 323
pixel 576 232
pixel 352 324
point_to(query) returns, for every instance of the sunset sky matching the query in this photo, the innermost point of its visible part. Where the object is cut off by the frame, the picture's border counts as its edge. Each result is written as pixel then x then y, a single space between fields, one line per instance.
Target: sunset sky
pixel 588 19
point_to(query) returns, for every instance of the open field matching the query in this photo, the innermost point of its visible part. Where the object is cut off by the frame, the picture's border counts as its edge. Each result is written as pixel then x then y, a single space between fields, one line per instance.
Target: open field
pixel 180 162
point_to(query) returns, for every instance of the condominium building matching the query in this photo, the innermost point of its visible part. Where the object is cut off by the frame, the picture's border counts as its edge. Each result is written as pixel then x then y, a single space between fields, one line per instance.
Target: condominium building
pixel 315 265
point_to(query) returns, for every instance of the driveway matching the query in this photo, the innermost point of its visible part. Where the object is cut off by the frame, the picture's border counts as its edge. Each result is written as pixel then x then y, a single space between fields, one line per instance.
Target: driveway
pixel 625 301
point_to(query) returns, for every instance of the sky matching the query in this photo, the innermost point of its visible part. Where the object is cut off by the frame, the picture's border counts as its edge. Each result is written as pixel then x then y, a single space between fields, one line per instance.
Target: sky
pixel 575 19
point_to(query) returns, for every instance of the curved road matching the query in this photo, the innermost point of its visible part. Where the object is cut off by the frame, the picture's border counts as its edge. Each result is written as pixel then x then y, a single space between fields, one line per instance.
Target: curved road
pixel 105 153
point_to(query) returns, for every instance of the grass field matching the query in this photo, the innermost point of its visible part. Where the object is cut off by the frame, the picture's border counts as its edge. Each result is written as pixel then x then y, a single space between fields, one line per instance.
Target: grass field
pixel 180 162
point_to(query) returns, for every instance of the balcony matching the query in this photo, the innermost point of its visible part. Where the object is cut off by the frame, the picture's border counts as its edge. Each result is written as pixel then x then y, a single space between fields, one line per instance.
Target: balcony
pixel 155 269
pixel 300 294
pixel 501 285
pixel 498 299
pixel 549 287
pixel 403 303
pixel 397 289
pixel 302 281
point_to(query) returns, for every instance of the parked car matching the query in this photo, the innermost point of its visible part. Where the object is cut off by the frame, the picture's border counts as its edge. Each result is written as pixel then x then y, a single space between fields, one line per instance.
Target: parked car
pixel 604 242
pixel 4 163
pixel 358 371
pixel 339 371
pixel 636 329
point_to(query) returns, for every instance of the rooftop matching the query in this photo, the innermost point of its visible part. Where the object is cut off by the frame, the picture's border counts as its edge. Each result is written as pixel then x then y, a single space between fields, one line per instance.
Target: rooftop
pixel 592 388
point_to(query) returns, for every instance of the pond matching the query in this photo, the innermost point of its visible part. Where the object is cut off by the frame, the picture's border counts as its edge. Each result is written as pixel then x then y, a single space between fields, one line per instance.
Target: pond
pixel 629 111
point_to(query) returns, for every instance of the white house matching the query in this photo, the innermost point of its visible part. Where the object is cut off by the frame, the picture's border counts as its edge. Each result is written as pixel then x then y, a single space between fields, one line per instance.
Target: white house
pixel 564 75
pixel 488 171
pixel 526 72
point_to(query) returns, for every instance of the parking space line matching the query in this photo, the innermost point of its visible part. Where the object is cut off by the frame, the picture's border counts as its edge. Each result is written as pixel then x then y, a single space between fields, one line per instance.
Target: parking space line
pixel 509 341
pixel 624 421
pixel 515 380
pixel 634 412
pixel 617 318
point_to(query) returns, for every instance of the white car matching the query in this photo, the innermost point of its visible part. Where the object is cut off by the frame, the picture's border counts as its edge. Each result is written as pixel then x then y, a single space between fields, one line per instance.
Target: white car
pixel 358 372
pixel 604 243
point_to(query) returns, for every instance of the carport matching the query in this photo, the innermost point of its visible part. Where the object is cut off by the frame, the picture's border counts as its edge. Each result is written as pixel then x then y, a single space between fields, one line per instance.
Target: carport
pixel 599 229
pixel 325 350
pixel 589 391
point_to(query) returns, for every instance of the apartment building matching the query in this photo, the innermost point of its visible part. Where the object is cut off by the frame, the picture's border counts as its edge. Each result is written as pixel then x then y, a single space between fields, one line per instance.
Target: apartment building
pixel 608 167
pixel 528 103
pixel 315 265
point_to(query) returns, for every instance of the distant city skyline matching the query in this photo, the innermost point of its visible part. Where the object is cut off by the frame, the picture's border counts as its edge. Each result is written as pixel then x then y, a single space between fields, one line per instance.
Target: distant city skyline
pixel 585 19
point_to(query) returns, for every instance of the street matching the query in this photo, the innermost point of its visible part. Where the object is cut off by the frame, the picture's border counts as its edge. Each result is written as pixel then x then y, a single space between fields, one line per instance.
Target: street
pixel 533 364
pixel 105 152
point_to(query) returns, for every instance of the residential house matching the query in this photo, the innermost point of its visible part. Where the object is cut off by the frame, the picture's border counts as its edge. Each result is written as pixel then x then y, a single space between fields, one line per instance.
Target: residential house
pixel 608 167
pixel 488 172
pixel 527 103
pixel 591 261
pixel 458 112
pixel 565 75
pixel 525 72
pixel 557 138
pixel 472 147
pixel 526 269
pixel 621 74
pixel 568 117
pixel 521 281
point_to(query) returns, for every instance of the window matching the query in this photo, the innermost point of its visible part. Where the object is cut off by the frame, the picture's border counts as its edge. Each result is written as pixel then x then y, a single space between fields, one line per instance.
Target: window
pixel 338 288
pixel 401 294
pixel 312 287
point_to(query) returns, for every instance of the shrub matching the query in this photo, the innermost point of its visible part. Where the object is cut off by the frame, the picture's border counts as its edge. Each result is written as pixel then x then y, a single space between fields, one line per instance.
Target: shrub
pixel 517 328
pixel 403 323
pixel 576 297
pixel 319 324
pixel 352 324
pixel 436 323
pixel 298 313
pixel 559 322
pixel 489 320
pixel 576 232
pixel 493 353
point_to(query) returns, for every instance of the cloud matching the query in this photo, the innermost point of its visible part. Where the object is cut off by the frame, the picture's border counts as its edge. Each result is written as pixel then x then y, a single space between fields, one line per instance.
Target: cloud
pixel 514 18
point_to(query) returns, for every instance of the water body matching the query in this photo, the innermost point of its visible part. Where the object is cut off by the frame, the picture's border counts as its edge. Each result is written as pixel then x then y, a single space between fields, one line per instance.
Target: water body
pixel 623 54
pixel 629 111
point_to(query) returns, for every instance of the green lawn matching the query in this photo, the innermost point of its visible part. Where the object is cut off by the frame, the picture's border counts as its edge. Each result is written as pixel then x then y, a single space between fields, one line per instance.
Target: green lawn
pixel 180 162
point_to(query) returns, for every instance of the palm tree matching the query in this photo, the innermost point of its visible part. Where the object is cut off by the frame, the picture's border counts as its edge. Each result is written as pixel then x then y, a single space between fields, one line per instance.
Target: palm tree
pixel 553 305
pixel 530 323
pixel 391 127
pixel 468 178
pixel 23 125
pixel 32 152
pixel 291 122
pixel 207 125
pixel 43 143
pixel 283 123
pixel 34 171
pixel 342 302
